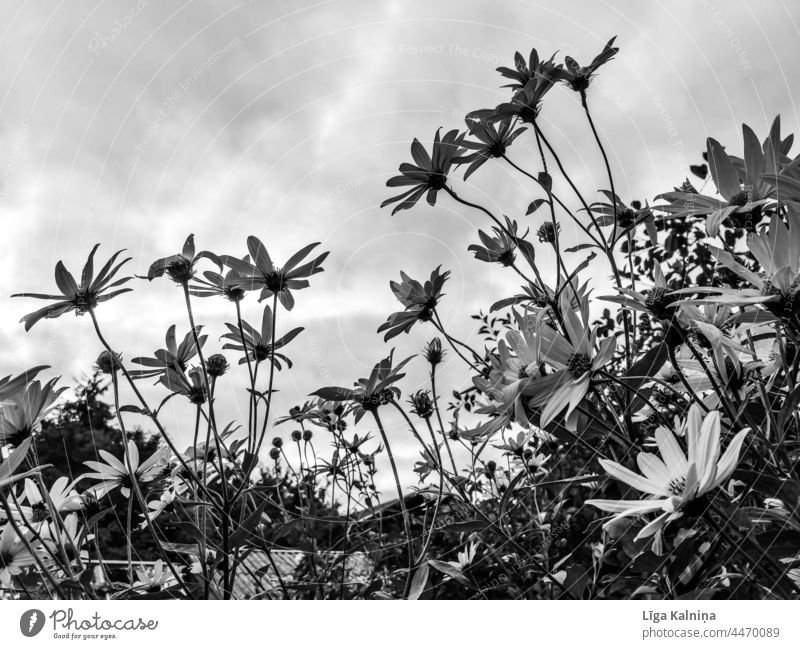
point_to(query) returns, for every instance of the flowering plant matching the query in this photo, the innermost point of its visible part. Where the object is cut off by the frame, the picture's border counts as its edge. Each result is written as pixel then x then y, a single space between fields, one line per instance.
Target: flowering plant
pixel 648 452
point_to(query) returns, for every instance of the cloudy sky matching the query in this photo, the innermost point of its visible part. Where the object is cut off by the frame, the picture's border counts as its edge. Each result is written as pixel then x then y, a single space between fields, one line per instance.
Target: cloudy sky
pixel 133 123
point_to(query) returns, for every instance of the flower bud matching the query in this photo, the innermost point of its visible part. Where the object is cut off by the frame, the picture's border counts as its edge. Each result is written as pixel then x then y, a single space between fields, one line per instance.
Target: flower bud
pixel 108 363
pixel 277 442
pixel 297 435
pixel 216 365
pixel 433 351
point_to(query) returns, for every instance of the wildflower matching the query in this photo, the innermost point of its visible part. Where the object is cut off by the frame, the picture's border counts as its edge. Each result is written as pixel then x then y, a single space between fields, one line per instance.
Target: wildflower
pixel 532 70
pixel 495 249
pixel 68 536
pixel 675 482
pixel 433 351
pixel 627 216
pixel 14 556
pixel 82 297
pixel 419 301
pixel 257 345
pixel 577 77
pixel 275 453
pixel 372 392
pixel 263 274
pixel 776 287
pixel 61 496
pixel 548 233
pixel 277 442
pixel 297 435
pixel 152 582
pixel 429 174
pixel 192 385
pixel 175 357
pixel 574 360
pixel 421 403
pixel 180 268
pixel 26 409
pixel 108 362
pixel 307 435
pixel 658 301
pixel 114 473
pixel 743 202
pixel 215 284
pixel 493 140
pixel 527 101
pixel 217 365
pixel 427 465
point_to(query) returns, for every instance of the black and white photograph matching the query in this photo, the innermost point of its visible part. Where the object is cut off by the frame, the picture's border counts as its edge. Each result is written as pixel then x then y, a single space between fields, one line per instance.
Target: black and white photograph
pixel 451 301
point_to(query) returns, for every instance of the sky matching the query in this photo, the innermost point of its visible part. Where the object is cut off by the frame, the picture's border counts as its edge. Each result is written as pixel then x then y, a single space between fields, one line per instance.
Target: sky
pixel 132 123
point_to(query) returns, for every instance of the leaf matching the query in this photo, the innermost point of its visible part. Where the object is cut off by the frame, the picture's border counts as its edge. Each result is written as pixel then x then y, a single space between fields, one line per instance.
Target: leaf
pixel 579 247
pixel 134 409
pixel 245 530
pixel 722 170
pixel 466 526
pixel 335 394
pixel 8 467
pixel 419 581
pixel 535 205
pixel 545 181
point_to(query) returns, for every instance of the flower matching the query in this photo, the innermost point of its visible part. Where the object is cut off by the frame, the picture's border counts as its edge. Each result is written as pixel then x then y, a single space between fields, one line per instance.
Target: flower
pixel 776 287
pixel 82 297
pixel 675 481
pixel 174 357
pixel 216 365
pixel 495 249
pixel 577 77
pixel 191 384
pixel 422 404
pixel 265 275
pixel 746 185
pixel 430 172
pixel 61 496
pixel 180 268
pixel 108 362
pixel 215 284
pixel 25 410
pixel 433 351
pixel 659 301
pixel 114 473
pixel 493 140
pixel 258 345
pixel 14 556
pixel 574 360
pixel 532 70
pixel 548 232
pixel 372 392
pixel 419 300
pixel 152 582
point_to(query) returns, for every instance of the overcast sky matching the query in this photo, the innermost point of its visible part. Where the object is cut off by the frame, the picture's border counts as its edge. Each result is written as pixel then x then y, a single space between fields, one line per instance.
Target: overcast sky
pixel 133 123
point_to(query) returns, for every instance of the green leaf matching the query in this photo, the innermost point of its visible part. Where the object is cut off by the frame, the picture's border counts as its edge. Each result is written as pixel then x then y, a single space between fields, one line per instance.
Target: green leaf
pixel 419 581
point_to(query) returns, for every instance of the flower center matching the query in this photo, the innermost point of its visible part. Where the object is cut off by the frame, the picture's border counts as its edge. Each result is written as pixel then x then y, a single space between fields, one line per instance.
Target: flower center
pixel 506 257
pixel 437 181
pixel 274 281
pixel 659 302
pixel 180 270
pixel 40 512
pixel 578 364
pixel 547 232
pixel 677 486
pixel 497 150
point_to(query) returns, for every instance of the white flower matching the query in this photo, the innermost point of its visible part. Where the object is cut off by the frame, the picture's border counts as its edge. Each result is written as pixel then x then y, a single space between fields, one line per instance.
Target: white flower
pixel 675 480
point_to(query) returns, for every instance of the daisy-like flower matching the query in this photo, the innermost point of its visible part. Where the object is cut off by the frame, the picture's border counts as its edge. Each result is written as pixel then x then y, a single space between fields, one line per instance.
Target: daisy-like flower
pixel 525 103
pixel 262 274
pixel 113 473
pixel 26 409
pixel 676 480
pixel 746 185
pixel 429 173
pixel 493 139
pixel 776 287
pixel 191 384
pixel 257 345
pixel 531 70
pixel 10 385
pixel 496 249
pixel 578 77
pixel 624 216
pixel 152 582
pixel 180 268
pixel 14 556
pixel 658 301
pixel 419 301
pixel 62 496
pixel 71 537
pixel 216 285
pixel 371 392
pixel 83 297
pixel 174 357
pixel 574 360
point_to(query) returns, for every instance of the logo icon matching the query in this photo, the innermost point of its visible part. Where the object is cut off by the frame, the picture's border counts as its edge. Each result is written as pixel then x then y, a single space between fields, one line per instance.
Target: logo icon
pixel 31 622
